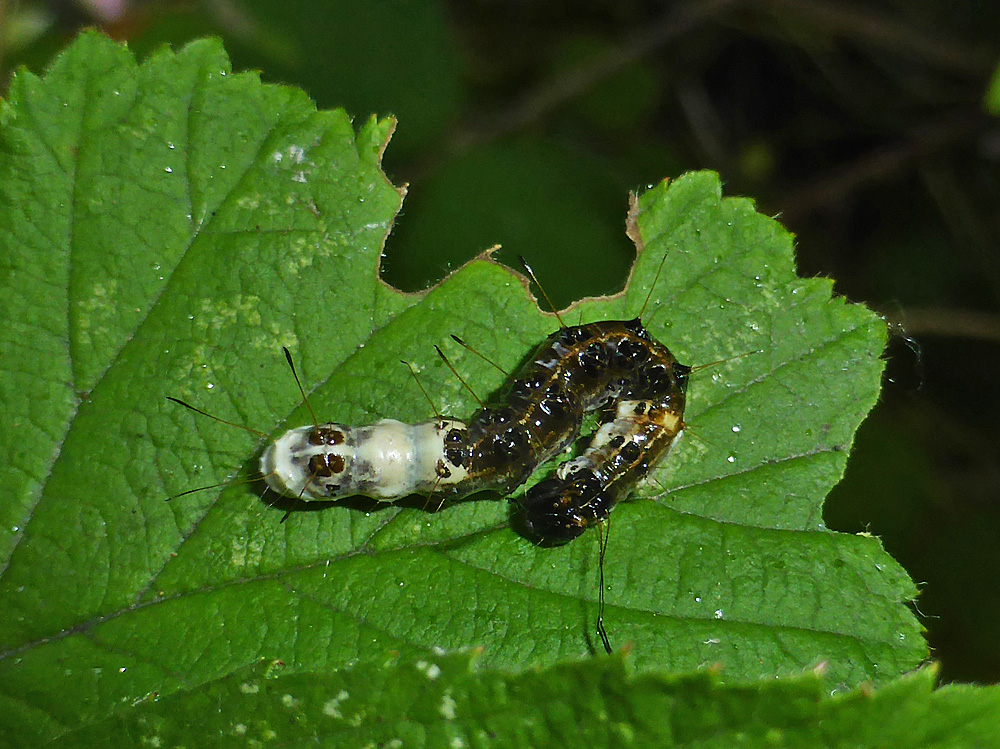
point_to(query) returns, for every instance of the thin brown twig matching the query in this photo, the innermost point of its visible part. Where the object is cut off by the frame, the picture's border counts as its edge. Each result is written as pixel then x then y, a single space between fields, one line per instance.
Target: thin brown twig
pixel 556 91
pixel 949 323
pixel 860 22
pixel 877 166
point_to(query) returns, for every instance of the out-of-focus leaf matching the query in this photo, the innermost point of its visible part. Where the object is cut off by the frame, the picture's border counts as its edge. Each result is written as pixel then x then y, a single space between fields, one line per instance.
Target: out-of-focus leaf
pixel 444 700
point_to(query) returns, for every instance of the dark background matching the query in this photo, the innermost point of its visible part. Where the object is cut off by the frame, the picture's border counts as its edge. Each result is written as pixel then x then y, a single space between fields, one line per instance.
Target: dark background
pixel 860 125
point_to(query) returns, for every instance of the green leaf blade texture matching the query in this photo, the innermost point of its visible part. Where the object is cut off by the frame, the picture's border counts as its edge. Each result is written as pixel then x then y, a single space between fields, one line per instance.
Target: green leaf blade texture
pixel 444 700
pixel 166 227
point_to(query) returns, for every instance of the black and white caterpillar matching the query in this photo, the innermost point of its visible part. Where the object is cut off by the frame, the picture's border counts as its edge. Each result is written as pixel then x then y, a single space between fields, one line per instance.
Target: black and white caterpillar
pixel 387 460
pixel 614 368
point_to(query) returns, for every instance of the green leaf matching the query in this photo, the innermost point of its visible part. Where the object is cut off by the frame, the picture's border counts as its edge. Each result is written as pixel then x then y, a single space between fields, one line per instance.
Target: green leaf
pixel 445 701
pixel 992 98
pixel 166 227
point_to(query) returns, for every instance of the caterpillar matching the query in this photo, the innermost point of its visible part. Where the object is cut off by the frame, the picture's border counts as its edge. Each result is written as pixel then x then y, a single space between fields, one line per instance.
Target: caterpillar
pixel 613 368
pixel 586 489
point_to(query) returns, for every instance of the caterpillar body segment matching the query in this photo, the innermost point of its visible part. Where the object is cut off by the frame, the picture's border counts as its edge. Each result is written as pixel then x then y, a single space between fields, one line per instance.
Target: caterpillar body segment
pixel 387 460
pixel 585 490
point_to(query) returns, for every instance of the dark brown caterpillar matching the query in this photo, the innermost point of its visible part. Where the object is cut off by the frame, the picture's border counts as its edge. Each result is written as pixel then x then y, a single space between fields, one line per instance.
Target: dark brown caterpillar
pixel 618 367
pixel 576 370
pixel 586 489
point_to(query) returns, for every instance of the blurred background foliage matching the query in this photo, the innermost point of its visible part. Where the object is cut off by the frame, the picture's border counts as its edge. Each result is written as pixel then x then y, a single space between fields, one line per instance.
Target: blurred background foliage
pixel 870 129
